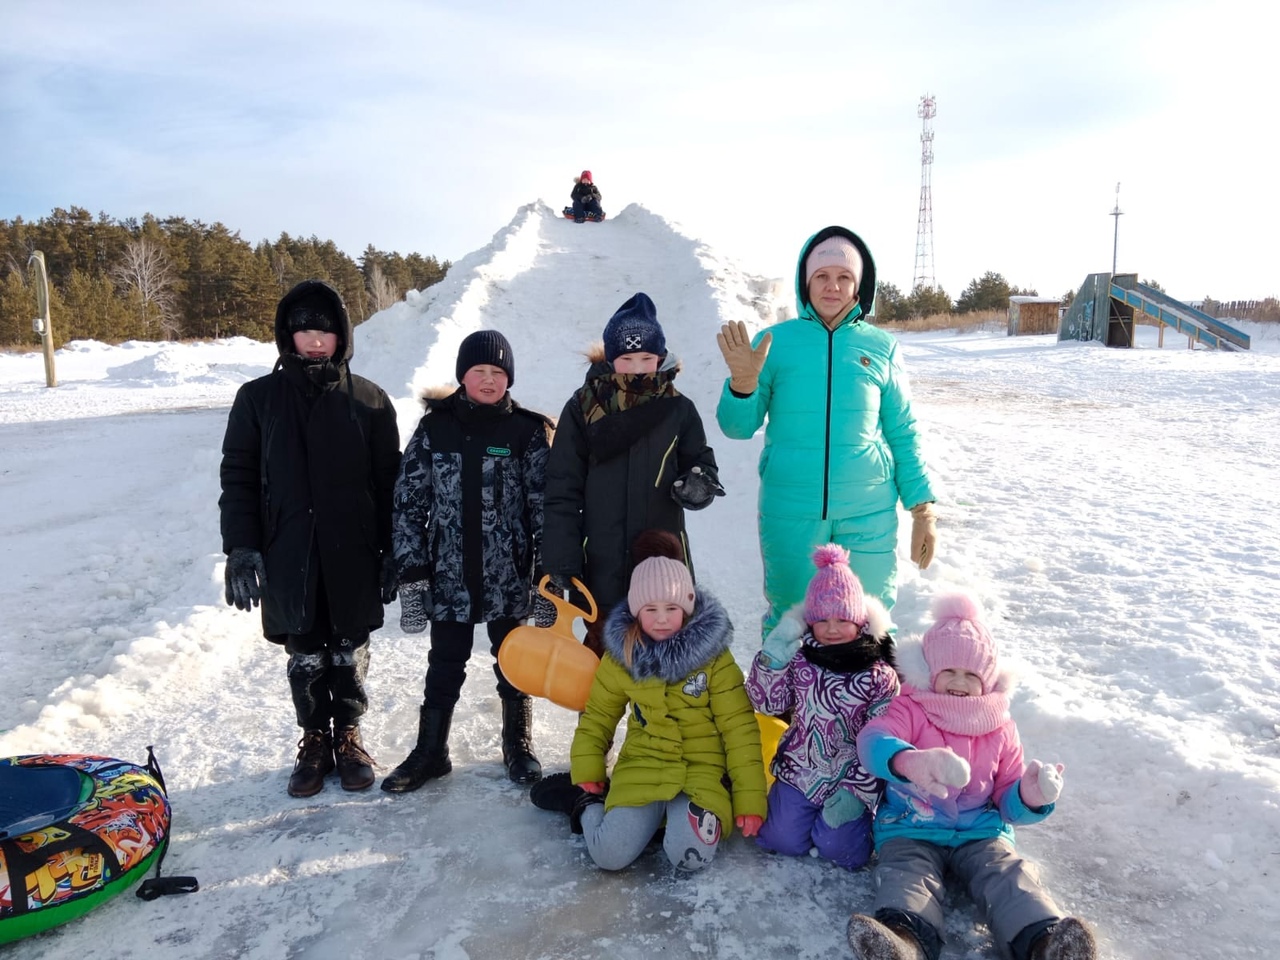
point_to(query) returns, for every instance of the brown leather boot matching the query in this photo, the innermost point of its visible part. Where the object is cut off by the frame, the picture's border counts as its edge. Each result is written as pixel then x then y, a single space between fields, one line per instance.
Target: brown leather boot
pixel 314 763
pixel 355 766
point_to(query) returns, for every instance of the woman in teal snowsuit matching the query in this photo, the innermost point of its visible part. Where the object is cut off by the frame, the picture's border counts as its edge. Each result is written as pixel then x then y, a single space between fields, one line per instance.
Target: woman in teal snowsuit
pixel 841 446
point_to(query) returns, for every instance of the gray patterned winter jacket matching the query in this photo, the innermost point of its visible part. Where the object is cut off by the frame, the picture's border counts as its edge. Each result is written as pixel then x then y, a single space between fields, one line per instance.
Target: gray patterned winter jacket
pixel 467 510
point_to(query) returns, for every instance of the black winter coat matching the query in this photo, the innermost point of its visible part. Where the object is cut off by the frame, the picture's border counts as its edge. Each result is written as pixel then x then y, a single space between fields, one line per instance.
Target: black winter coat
pixel 467 513
pixel 584 192
pixel 309 461
pixel 610 481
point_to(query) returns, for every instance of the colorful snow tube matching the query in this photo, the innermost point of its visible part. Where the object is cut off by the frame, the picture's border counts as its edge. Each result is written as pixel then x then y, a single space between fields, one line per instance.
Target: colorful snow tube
pixel 75 831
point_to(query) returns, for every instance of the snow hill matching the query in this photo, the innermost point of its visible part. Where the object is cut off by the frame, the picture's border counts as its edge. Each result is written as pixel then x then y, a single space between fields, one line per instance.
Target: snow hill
pixel 1109 507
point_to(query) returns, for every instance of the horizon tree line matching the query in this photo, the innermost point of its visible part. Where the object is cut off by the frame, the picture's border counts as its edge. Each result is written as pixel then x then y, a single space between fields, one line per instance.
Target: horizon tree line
pixel 172 278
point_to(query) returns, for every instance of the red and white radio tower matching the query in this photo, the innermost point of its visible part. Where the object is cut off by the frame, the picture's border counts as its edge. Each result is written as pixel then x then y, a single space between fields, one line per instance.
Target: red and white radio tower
pixel 924 231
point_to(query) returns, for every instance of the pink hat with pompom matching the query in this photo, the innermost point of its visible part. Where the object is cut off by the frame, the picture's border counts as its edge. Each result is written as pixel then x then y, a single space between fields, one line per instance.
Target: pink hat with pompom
pixel 834 592
pixel 960 640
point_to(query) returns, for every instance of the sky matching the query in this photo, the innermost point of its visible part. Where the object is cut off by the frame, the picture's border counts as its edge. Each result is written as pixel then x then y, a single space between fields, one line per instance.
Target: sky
pixel 1103 505
pixel 417 126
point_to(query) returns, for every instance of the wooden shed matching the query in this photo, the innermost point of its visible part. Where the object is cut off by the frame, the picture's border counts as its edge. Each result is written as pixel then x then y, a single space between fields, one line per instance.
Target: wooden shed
pixel 1028 315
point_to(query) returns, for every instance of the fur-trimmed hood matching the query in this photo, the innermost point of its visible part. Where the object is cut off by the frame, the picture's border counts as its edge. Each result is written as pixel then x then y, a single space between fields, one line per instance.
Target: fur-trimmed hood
pixel 707 633
pixel 446 397
pixel 598 365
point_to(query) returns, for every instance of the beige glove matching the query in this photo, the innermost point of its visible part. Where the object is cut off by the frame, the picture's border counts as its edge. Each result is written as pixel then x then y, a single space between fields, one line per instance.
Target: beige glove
pixel 924 534
pixel 744 363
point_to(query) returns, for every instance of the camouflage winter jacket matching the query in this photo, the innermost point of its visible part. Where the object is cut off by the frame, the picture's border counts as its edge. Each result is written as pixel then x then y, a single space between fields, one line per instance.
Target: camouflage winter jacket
pixel 467 509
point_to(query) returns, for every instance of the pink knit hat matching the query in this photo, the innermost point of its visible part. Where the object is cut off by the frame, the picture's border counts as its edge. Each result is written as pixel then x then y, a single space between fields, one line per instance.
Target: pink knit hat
pixel 959 640
pixel 834 252
pixel 834 592
pixel 660 580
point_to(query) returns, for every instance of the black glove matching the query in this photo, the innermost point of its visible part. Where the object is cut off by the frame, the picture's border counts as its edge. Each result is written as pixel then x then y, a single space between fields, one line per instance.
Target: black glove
pixel 388 578
pixel 245 575
pixel 696 489
pixel 415 606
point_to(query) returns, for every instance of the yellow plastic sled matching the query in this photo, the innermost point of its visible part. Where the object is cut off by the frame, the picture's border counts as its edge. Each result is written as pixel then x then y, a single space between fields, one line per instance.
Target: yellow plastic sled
pixel 550 661
pixel 771 731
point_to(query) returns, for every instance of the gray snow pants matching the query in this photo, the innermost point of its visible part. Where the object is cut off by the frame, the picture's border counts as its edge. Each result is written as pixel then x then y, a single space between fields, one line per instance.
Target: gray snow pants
pixel 909 876
pixel 615 839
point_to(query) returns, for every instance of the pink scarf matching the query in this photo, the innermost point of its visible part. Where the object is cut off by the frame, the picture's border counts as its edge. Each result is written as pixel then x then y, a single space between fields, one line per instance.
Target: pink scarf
pixel 970 716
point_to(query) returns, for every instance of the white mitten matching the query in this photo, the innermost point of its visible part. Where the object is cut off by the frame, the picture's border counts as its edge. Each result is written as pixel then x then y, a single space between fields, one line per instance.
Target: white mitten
pixel 1041 784
pixel 933 770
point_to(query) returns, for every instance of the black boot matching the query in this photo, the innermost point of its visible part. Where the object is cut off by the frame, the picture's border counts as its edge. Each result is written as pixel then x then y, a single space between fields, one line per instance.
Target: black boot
pixel 314 763
pixel 555 792
pixel 355 766
pixel 560 794
pixel 587 799
pixel 430 758
pixel 517 741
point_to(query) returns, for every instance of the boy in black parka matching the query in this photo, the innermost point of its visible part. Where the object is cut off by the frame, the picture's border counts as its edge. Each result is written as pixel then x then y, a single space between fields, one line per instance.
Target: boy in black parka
pixel 467 537
pixel 630 454
pixel 309 461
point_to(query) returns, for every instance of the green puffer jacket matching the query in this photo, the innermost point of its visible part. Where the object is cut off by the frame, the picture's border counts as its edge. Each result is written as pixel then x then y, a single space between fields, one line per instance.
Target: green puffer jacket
pixel 689 721
pixel 841 440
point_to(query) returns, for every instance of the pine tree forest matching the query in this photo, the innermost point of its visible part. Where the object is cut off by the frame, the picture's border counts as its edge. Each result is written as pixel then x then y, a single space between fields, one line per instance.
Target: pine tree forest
pixel 169 279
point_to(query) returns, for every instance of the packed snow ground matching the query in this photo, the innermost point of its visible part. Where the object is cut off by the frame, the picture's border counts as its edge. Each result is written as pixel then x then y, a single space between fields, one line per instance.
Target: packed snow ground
pixel 1113 509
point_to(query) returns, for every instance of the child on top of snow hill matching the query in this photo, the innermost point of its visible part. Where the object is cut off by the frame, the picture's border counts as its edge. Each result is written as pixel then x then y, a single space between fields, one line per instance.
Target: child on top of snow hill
pixel 586 199
pixel 826 662
pixel 630 454
pixel 955 784
pixel 668 668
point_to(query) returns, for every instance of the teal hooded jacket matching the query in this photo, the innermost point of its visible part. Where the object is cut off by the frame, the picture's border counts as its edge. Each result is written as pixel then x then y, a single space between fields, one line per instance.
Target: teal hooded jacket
pixel 840 438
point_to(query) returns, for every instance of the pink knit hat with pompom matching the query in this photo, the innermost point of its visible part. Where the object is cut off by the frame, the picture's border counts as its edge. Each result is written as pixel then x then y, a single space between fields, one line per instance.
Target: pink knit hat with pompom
pixel 960 640
pixel 834 592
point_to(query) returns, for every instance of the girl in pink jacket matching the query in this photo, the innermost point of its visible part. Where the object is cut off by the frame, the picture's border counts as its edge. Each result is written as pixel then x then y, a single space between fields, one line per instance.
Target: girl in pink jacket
pixel 955 785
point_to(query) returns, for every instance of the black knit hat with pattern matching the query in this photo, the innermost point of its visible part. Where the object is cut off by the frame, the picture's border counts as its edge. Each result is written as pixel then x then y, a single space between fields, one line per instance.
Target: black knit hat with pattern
pixel 486 347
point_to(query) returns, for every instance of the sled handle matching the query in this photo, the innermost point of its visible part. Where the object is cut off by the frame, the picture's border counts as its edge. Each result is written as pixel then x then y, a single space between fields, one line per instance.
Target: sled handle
pixel 566 610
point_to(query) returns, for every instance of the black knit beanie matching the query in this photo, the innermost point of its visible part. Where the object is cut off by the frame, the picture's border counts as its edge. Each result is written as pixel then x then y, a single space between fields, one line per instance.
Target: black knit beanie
pixel 312 312
pixel 486 347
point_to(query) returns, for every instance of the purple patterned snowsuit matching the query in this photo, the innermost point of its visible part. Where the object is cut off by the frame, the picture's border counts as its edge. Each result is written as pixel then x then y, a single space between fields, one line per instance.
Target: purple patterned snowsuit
pixel 818 754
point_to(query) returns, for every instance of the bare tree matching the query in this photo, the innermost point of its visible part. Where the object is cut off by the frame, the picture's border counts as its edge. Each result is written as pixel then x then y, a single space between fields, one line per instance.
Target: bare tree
pixel 145 267
pixel 382 291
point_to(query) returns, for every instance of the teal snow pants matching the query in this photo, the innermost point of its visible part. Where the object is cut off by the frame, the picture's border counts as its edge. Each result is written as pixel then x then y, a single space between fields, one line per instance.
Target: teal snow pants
pixel 787 545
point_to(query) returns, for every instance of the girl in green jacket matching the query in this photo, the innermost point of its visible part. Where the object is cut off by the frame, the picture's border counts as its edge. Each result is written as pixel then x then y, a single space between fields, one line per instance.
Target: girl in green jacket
pixel 841 445
pixel 667 666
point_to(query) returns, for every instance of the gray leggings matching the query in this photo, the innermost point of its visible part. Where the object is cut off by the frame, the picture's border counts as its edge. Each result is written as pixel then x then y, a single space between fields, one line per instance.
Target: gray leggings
pixel 616 838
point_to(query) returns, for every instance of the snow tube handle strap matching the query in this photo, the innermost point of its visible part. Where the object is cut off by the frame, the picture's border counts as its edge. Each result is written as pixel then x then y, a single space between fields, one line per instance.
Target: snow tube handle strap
pixel 159 886
pixel 154 887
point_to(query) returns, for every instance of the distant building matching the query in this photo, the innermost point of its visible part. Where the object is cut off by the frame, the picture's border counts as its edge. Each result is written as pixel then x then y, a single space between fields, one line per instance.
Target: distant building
pixel 1032 315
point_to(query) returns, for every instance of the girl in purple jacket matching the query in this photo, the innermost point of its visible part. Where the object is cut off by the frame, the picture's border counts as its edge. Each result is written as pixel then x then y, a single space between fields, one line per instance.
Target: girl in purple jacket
pixel 825 663
pixel 955 784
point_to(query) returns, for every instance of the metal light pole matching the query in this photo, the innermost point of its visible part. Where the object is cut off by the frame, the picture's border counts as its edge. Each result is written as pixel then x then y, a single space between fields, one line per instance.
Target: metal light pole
pixel 1115 242
pixel 43 324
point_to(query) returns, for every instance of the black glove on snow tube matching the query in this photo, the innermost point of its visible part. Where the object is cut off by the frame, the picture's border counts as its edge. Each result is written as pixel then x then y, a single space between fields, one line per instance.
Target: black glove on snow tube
pixel 245 576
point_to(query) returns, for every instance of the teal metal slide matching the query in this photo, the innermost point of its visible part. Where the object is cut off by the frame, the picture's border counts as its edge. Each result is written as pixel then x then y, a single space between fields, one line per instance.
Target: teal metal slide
pixel 1105 307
